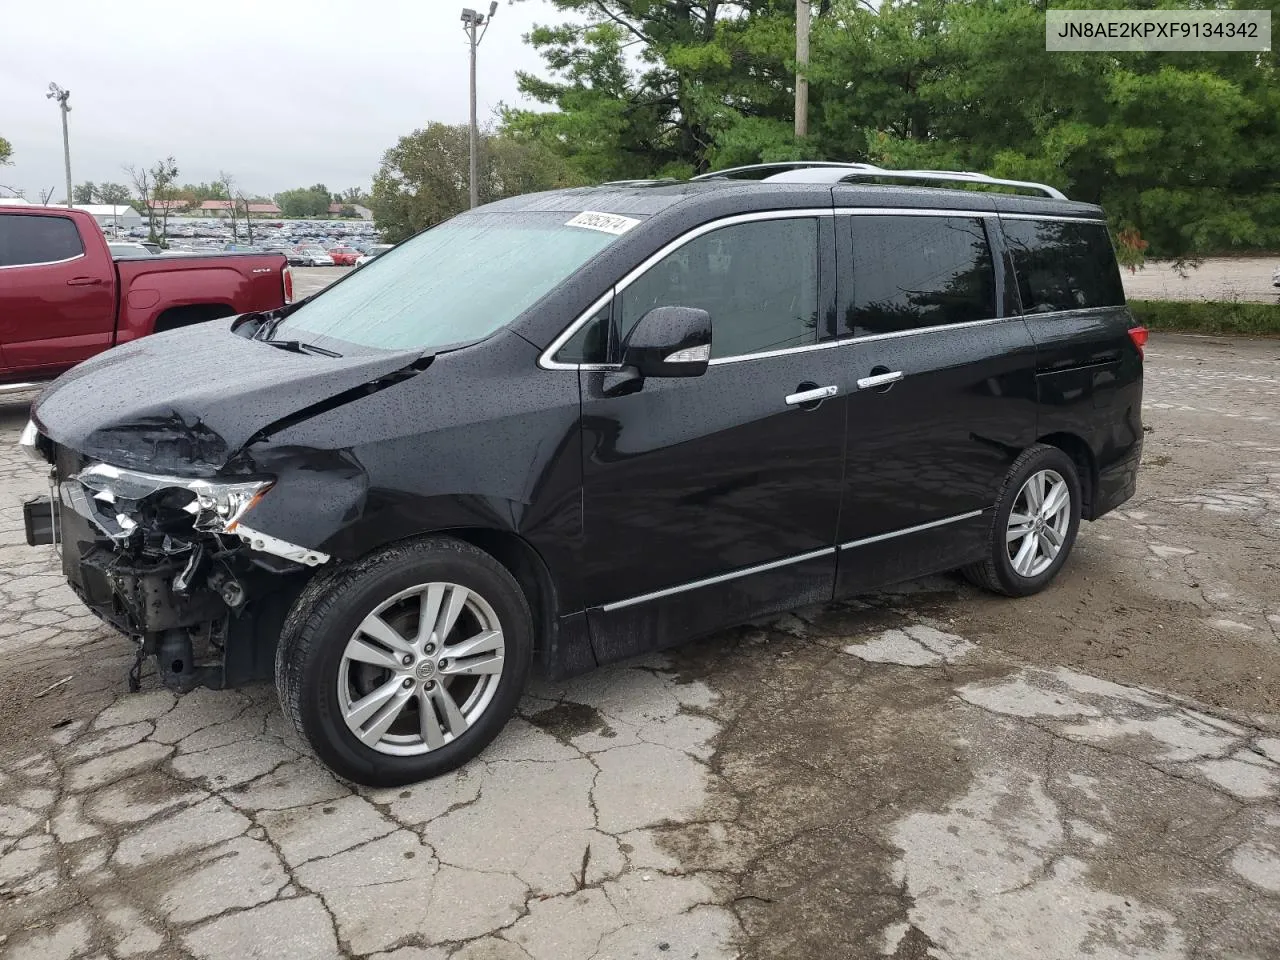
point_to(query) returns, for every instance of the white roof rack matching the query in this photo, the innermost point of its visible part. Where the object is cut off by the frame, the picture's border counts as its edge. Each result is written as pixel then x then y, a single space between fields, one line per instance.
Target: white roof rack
pixel 816 171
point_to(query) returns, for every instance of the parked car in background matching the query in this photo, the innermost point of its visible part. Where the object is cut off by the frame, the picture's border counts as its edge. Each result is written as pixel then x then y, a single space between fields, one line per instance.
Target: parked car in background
pixel 65 297
pixel 311 256
pixel 343 256
pixel 675 408
pixel 123 248
pixel 373 251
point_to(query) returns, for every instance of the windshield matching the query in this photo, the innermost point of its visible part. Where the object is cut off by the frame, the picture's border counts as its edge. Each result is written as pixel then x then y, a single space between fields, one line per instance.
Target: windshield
pixel 457 282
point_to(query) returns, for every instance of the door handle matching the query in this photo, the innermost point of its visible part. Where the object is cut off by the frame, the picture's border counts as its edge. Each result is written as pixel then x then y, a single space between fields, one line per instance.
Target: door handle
pixel 880 380
pixel 84 282
pixel 811 396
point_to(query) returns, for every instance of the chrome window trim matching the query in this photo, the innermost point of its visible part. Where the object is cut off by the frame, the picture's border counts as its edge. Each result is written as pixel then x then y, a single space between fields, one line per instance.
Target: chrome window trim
pixel 914 212
pixel 546 362
pixel 1051 216
pixel 44 263
pixel 916 529
pixel 545 359
pixel 721 578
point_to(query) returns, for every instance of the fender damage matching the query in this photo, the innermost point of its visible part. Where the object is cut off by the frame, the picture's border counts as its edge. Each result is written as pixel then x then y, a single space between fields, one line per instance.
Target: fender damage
pixel 149 499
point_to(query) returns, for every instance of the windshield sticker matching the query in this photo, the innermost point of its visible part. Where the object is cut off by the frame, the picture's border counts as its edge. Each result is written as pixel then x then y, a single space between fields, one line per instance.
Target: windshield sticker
pixel 605 222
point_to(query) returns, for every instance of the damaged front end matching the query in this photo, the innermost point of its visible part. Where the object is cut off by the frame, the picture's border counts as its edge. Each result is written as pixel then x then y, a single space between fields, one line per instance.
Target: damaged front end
pixel 170 561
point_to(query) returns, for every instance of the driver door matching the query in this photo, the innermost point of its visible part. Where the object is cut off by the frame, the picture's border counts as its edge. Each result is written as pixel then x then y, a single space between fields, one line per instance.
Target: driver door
pixel 711 500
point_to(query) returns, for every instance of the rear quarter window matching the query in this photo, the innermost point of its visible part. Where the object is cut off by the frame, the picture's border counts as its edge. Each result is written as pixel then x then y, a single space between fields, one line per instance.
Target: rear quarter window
pixel 27 241
pixel 1063 265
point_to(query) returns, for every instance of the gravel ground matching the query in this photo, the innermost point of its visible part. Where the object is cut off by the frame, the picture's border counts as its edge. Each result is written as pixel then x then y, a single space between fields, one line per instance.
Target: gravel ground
pixel 1225 278
pixel 929 772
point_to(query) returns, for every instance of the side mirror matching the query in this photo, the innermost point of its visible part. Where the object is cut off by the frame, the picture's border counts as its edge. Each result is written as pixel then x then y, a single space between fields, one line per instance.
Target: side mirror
pixel 669 342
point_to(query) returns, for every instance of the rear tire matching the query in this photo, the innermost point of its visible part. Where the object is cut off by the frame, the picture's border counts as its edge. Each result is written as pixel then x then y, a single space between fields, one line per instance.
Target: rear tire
pixel 1029 540
pixel 406 664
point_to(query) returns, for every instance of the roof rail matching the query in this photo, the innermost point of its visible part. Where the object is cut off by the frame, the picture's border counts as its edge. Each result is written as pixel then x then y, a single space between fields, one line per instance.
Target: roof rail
pixel 654 182
pixel 826 172
pixel 729 172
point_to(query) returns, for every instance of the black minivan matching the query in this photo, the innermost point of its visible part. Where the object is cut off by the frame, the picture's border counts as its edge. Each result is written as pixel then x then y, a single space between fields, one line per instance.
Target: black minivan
pixel 581 425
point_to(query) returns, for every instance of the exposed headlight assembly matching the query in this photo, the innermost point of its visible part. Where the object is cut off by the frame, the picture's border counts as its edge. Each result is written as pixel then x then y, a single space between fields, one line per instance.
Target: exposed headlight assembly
pixel 215 507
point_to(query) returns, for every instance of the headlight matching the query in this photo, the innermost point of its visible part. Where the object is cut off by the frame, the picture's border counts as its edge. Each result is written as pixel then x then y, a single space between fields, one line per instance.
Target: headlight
pixel 215 506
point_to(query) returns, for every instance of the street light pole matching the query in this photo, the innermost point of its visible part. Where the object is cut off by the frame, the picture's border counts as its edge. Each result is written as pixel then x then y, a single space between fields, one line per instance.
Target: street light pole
pixel 62 96
pixel 471 21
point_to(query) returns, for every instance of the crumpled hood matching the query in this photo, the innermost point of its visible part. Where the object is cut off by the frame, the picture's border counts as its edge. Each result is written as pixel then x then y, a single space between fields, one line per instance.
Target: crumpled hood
pixel 188 400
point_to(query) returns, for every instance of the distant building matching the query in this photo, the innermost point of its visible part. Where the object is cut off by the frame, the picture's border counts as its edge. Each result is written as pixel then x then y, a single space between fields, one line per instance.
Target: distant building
pixel 364 213
pixel 112 215
pixel 160 207
pixel 214 208
pixel 222 208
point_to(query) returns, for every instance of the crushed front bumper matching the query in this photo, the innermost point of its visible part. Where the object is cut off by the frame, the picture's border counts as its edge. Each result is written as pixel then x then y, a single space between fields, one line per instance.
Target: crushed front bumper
pixel 209 606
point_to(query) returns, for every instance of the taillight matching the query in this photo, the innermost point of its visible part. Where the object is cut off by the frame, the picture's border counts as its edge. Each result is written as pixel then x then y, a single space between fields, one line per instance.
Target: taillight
pixel 1139 337
pixel 287 275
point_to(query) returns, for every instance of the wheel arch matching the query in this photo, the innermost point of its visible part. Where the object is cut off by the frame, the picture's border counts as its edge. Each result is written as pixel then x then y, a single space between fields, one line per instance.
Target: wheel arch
pixel 1081 454
pixel 187 314
pixel 525 564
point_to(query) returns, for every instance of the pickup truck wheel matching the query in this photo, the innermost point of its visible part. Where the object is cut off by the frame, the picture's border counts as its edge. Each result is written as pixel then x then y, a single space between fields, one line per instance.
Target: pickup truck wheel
pixel 1035 524
pixel 406 664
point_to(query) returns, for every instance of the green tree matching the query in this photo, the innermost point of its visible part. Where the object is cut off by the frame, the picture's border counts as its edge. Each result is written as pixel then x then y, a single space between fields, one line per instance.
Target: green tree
pixel 86 192
pixel 6 152
pixel 305 202
pixel 1183 149
pixel 423 178
pixel 352 196
pixel 114 193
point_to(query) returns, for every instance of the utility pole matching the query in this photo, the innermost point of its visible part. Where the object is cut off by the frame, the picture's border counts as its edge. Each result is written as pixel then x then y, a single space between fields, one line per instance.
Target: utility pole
pixel 62 96
pixel 472 21
pixel 802 67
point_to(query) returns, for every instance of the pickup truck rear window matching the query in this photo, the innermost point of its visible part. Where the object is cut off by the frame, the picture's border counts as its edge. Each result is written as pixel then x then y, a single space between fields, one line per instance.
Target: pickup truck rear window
pixel 455 283
pixel 26 241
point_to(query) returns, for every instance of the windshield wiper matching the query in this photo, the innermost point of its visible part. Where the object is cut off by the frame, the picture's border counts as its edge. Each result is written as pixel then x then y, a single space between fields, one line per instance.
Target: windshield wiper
pixel 297 346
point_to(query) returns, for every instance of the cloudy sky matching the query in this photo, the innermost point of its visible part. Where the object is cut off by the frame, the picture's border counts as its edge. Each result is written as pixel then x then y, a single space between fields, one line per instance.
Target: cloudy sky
pixel 280 93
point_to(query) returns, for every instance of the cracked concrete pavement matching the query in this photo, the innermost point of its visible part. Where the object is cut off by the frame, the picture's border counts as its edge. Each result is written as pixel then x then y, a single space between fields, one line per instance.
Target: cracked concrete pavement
pixel 929 772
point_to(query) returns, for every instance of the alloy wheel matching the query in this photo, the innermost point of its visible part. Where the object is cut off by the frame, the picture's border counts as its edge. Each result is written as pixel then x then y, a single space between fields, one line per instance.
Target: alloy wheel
pixel 421 669
pixel 1038 523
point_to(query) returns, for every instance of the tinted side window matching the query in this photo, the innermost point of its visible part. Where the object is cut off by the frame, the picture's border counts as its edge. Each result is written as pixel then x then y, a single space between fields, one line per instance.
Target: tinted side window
pixel 759 282
pixel 912 272
pixel 29 240
pixel 590 344
pixel 1063 265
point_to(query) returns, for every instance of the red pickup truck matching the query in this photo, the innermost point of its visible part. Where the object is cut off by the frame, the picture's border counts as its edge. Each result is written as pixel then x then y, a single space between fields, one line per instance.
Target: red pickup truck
pixel 63 298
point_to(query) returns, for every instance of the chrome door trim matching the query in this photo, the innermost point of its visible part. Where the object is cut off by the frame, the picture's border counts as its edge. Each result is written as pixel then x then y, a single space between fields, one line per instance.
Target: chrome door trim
pixel 916 529
pixel 809 396
pixel 545 358
pixel 709 581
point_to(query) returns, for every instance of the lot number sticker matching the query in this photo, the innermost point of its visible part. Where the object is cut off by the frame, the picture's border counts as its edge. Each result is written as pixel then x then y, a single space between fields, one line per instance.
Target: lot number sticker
pixel 605 222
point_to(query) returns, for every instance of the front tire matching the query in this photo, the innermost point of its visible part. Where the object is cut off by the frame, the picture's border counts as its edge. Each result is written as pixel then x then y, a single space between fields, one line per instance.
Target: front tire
pixel 407 663
pixel 1034 528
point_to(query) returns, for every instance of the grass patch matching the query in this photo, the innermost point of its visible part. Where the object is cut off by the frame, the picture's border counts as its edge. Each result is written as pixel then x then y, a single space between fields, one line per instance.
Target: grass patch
pixel 1208 316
